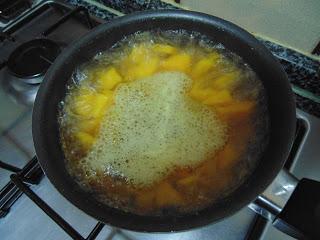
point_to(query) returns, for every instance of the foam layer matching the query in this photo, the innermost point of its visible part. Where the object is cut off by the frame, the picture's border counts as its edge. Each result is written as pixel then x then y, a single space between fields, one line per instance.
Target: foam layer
pixel 152 128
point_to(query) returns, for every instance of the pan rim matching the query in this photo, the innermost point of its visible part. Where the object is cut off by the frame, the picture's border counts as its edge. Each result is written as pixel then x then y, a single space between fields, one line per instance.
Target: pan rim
pixel 118 218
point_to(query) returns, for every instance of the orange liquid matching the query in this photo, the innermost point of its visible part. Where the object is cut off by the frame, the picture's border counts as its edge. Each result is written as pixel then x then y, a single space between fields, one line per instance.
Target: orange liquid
pixel 217 82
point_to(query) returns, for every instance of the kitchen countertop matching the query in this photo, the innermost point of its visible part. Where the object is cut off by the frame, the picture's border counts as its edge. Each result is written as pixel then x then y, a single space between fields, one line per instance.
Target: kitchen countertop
pixel 303 71
pixel 292 23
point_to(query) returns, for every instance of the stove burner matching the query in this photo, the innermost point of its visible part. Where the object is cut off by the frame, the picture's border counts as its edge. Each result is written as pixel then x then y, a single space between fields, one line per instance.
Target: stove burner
pixel 9 9
pixel 32 59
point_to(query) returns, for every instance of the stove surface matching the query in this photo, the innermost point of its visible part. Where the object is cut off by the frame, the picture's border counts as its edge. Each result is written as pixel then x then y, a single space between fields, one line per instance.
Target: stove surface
pixel 25 220
pixel 32 34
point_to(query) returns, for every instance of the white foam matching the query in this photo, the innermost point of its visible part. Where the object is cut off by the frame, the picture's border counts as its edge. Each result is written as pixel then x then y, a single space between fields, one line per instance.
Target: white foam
pixel 152 128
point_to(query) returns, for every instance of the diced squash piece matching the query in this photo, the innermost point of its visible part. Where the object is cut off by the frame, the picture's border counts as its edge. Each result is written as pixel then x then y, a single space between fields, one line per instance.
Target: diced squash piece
pixel 167 196
pixel 164 49
pixel 86 140
pixel 108 94
pixel 144 69
pixel 179 62
pixel 99 105
pixel 182 172
pixel 145 199
pixel 83 104
pixel 226 81
pixel 107 79
pixel 201 94
pixel 221 97
pixel 201 68
pixel 207 168
pixel 236 110
pixel 187 181
pixel 227 157
pixel 90 126
pixel 204 65
pixel 90 105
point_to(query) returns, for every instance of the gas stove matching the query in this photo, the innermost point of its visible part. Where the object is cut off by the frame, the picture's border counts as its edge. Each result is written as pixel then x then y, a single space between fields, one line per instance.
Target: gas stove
pixel 30 207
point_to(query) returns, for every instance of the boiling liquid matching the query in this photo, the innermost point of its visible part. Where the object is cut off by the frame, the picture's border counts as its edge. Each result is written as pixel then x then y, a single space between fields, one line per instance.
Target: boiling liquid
pixel 163 123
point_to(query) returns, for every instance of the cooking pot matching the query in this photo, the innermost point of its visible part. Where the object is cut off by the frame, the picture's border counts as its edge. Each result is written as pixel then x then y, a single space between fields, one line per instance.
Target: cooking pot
pixel 298 216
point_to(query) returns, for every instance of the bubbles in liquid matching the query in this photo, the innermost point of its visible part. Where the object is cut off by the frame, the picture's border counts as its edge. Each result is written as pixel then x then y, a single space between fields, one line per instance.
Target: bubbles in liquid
pixel 159 151
pixel 154 127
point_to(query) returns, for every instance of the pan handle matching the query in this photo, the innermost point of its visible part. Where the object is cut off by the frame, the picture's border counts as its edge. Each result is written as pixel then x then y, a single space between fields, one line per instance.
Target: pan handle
pixel 293 206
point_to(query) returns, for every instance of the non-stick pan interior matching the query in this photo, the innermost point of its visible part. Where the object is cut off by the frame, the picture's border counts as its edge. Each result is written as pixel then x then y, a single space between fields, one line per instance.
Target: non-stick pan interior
pixel 52 91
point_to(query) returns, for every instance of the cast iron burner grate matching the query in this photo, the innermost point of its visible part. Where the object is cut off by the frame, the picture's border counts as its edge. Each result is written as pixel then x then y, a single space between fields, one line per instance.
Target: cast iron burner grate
pixel 38 53
pixel 32 43
pixel 12 8
pixel 31 174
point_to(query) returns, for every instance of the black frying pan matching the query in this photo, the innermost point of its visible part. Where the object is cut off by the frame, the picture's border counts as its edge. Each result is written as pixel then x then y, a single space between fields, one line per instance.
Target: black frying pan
pixel 281 109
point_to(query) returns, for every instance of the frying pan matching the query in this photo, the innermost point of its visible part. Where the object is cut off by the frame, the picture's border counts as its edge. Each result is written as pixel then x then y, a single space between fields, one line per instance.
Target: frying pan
pixel 281 110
